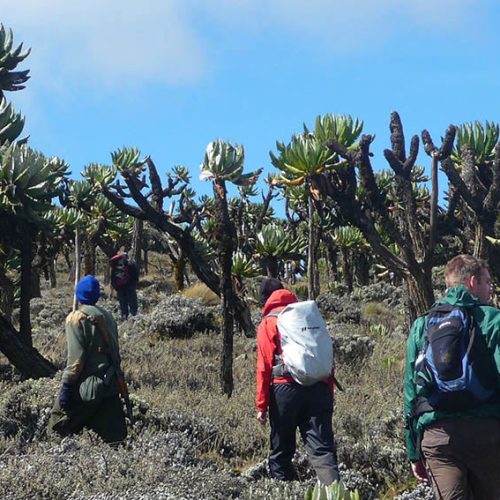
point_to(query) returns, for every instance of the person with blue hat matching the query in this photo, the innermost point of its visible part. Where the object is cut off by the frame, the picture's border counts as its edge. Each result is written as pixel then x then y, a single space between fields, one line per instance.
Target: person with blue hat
pixel 89 395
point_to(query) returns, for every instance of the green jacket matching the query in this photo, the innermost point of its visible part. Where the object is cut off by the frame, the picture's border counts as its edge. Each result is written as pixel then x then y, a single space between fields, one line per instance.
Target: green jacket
pixel 488 320
pixel 87 351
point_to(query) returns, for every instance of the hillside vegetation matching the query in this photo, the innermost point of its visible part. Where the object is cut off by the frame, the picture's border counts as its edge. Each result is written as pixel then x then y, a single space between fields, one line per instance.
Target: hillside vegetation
pixel 189 440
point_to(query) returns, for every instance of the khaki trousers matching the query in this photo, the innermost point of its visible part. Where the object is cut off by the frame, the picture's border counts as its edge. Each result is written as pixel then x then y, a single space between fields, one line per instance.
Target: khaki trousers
pixel 463 458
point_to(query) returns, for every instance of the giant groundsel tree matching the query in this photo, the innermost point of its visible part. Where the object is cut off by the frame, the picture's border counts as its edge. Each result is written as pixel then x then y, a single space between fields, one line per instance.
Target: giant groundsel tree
pixel 223 162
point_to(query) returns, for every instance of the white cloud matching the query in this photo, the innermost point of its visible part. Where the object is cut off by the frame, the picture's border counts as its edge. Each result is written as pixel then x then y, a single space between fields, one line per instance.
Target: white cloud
pixel 111 41
pixel 123 43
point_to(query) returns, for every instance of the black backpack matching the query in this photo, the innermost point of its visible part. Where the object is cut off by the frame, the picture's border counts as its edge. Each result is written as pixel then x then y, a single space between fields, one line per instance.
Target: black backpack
pixel 447 376
pixel 120 273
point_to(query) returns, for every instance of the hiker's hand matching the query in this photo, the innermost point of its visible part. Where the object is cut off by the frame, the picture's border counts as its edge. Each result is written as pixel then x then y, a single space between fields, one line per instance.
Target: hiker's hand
pixel 262 417
pixel 418 469
pixel 65 396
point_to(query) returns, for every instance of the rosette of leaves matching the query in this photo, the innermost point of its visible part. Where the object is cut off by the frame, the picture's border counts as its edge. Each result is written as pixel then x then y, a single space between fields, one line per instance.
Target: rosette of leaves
pixel 60 219
pixel 481 139
pixel 126 161
pixel 224 161
pixel 334 491
pixel 180 172
pixel 202 249
pixel 101 175
pixel 348 237
pixel 80 194
pixel 10 57
pixel 350 240
pixel 342 128
pixel 11 123
pixel 96 210
pixel 119 226
pixel 303 157
pixel 297 199
pixel 28 181
pixel 274 245
pixel 274 241
pixel 244 267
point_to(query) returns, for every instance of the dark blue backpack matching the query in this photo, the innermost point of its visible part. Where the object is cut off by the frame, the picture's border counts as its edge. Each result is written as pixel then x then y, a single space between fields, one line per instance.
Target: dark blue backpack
pixel 445 368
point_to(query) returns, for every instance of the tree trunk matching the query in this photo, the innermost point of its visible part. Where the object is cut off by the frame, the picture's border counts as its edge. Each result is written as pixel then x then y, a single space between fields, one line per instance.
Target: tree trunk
pixel 24 312
pixel 6 295
pixel 228 326
pixel 77 265
pixel 226 237
pixel 25 358
pixel 146 262
pixel 362 269
pixel 316 277
pixel 346 268
pixel 35 283
pixel 180 271
pixel 310 250
pixel 479 247
pixel 332 251
pixel 420 294
pixel 137 243
pixel 87 250
pixel 52 273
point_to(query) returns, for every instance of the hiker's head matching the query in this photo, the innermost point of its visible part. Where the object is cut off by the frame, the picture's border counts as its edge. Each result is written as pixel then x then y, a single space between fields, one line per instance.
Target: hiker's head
pixel 471 272
pixel 267 287
pixel 87 290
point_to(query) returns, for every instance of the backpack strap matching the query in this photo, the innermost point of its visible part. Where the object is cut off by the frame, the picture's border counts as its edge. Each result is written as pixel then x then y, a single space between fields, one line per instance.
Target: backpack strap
pixel 112 368
pixel 279 368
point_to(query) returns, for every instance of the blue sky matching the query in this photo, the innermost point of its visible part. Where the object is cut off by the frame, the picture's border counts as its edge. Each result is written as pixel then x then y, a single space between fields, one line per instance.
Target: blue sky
pixel 169 76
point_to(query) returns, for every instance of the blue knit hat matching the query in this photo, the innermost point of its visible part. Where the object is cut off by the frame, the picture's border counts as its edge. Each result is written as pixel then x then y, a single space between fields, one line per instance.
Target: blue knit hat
pixel 88 290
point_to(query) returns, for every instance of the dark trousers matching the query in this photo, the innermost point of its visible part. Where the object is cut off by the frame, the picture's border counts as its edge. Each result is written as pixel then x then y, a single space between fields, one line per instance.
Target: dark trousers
pixel 462 457
pixel 127 297
pixel 310 409
pixel 107 419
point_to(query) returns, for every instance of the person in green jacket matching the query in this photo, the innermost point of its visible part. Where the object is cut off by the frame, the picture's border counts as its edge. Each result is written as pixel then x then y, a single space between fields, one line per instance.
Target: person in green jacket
pixel 458 452
pixel 89 395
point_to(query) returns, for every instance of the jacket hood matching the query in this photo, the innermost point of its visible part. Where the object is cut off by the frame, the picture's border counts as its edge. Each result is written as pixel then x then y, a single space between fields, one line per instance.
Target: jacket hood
pixel 279 298
pixel 460 296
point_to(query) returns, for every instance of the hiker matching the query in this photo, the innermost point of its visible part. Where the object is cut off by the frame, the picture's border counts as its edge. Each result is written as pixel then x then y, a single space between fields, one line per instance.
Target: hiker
pixel 451 388
pixel 124 278
pixel 89 395
pixel 290 404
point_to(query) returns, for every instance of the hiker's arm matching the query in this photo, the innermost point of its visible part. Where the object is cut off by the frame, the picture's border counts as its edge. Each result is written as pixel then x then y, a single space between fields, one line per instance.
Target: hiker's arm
pixel 265 354
pixel 409 386
pixel 76 350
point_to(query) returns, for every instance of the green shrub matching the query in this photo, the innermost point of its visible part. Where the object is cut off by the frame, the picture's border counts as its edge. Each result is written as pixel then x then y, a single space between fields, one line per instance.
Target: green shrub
pixel 335 491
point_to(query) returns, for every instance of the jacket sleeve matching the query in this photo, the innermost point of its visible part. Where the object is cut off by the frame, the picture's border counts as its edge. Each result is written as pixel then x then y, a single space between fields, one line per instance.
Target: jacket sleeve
pixel 265 358
pixel 412 350
pixel 76 345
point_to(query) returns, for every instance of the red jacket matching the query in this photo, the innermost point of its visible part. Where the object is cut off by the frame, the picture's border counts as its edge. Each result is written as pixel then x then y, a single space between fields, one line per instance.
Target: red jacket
pixel 269 344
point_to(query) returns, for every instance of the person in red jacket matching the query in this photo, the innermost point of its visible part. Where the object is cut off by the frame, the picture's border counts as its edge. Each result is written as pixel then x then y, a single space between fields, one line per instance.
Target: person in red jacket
pixel 291 405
